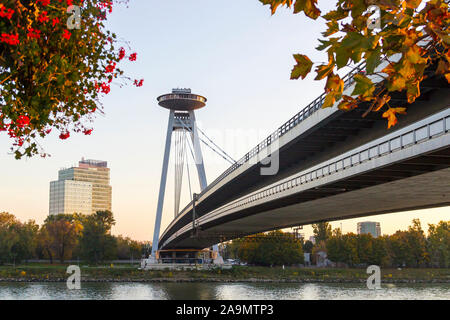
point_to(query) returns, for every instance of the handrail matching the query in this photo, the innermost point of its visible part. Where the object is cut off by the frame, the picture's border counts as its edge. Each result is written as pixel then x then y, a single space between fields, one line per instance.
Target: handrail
pixel 311 108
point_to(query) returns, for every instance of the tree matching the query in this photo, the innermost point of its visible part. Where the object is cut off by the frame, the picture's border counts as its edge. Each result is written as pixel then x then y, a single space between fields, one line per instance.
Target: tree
pixel 409 248
pixel 128 249
pixel 59 235
pixel 25 244
pixel 322 231
pixel 410 40
pixel 52 77
pixel 308 246
pixel 17 240
pixel 96 242
pixel 439 244
pixel 273 248
pixel 355 249
pixel 417 243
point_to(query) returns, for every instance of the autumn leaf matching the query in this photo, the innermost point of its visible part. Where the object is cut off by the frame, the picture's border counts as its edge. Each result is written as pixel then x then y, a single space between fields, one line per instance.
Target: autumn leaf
pixel 329 101
pixel 364 86
pixel 334 84
pixel 397 83
pixel 274 4
pixel 302 68
pixel 334 87
pixel 410 40
pixel 413 4
pixel 413 91
pixel 391 115
pixel 309 7
pixel 348 103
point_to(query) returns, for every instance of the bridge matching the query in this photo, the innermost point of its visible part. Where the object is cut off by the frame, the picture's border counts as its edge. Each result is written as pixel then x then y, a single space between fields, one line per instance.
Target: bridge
pixel 330 165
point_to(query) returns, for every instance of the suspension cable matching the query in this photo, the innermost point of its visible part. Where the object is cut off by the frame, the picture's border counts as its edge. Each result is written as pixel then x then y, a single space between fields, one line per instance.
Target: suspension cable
pixel 188 171
pixel 232 161
pixel 226 154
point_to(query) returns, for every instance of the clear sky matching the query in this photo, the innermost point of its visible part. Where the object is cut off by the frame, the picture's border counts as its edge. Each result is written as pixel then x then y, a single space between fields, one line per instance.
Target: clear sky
pixel 234 53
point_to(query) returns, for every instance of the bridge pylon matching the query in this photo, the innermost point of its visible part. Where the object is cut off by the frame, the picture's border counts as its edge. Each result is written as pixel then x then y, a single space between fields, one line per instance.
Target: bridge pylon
pixel 182 126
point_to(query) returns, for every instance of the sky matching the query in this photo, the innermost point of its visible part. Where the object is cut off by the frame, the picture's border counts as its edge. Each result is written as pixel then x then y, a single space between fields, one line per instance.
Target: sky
pixel 232 52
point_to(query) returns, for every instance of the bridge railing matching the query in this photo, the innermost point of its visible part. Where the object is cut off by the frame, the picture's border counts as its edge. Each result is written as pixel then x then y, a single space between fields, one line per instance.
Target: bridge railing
pixel 305 113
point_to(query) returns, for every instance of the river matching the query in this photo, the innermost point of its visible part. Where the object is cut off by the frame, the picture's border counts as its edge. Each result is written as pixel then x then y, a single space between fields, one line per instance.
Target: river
pixel 220 291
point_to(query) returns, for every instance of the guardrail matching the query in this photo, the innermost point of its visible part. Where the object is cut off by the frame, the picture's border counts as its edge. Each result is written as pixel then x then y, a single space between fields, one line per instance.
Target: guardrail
pixel 437 125
pixel 311 108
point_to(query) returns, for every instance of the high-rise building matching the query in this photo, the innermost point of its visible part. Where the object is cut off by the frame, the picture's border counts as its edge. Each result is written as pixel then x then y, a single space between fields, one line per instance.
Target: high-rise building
pixel 84 189
pixel 67 197
pixel 369 227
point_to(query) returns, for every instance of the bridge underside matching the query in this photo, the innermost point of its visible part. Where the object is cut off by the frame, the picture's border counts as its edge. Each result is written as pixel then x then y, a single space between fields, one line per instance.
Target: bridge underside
pixel 421 182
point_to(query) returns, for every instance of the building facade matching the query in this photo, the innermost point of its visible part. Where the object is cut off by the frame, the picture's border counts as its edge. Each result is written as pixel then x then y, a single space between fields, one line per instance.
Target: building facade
pixel 84 189
pixel 369 227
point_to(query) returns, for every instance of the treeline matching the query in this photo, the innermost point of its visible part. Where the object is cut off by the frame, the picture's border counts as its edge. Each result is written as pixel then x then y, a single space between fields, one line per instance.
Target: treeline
pixel 66 237
pixel 267 249
pixel 410 248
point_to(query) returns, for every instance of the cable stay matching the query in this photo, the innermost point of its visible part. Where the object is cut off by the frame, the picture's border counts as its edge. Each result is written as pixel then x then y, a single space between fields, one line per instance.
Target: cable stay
pixel 180 147
pixel 222 153
pixel 226 154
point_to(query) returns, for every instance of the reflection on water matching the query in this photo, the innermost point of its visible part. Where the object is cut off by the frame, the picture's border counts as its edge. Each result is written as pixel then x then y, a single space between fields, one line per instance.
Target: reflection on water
pixel 219 291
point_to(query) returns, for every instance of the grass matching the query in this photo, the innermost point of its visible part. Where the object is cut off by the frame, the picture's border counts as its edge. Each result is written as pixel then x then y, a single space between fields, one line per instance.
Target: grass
pixel 57 272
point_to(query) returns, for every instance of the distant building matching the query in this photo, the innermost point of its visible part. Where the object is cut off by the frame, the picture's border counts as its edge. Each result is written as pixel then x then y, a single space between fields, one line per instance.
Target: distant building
pixel 369 227
pixel 84 189
pixel 69 196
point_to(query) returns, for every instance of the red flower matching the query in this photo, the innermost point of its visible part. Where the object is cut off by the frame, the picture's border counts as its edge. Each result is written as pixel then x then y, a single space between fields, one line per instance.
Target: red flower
pixel 133 57
pixel 55 21
pixel 121 53
pixel 34 33
pixel 66 34
pixel 87 132
pixel 110 68
pixel 22 121
pixel 105 88
pixel 43 17
pixel 6 13
pixel 12 39
pixel 65 135
pixel 139 83
pixel 44 2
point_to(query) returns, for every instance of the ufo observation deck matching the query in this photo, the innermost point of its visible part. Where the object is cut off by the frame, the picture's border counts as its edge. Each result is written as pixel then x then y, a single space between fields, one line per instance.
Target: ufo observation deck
pixel 182 100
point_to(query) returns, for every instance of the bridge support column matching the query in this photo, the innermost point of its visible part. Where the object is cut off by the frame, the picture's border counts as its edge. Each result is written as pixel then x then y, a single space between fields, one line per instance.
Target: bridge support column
pixel 181 103
pixel 162 186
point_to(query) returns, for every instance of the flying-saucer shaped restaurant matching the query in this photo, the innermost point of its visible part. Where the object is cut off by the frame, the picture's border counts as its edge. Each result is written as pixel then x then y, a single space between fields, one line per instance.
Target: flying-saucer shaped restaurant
pixel 182 101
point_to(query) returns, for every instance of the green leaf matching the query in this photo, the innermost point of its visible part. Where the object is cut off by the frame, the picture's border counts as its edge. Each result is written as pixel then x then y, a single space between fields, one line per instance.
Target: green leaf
pixel 364 86
pixel 372 60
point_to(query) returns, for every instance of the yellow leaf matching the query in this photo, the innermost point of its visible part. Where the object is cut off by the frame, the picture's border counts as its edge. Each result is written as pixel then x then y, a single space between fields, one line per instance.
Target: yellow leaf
pixel 329 100
pixel 413 91
pixel 447 76
pixel 391 115
pixel 335 84
pixel 303 67
pixel 397 84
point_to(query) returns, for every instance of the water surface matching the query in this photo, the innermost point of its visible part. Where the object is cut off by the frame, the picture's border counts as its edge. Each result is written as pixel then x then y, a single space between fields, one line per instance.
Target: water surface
pixel 220 291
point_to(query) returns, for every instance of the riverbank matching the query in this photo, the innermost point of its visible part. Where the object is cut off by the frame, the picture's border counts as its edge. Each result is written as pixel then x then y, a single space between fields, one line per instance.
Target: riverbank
pixel 57 273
